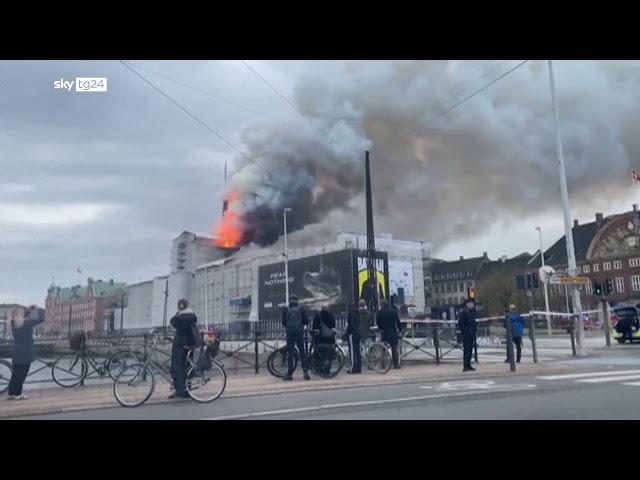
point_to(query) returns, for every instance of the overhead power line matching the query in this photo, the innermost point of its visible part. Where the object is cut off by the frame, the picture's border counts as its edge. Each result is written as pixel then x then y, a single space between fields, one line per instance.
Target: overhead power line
pixel 218 135
pixel 441 114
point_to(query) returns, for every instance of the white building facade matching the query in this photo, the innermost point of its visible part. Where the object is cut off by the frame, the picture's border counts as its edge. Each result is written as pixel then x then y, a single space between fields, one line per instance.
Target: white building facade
pixel 226 290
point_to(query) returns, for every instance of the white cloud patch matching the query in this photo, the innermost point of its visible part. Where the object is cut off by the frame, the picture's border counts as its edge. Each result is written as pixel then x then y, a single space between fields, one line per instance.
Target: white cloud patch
pixel 55 216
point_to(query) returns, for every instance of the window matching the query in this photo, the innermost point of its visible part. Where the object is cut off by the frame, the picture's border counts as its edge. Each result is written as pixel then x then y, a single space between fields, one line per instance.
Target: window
pixel 455 287
pixel 620 284
pixel 617 264
pixel 436 289
pixel 606 265
pixel 635 283
pixel 586 269
pixel 588 288
pixel 579 270
pixel 448 288
pixel 634 262
pixel 596 267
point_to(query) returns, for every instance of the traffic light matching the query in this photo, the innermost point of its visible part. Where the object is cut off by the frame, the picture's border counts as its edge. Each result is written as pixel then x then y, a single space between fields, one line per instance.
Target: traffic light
pixel 536 280
pixel 597 288
pixel 529 282
pixel 609 286
pixel 472 293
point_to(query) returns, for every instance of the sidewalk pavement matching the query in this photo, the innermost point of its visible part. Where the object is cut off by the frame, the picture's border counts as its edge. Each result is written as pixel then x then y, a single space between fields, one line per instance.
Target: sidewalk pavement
pixel 53 400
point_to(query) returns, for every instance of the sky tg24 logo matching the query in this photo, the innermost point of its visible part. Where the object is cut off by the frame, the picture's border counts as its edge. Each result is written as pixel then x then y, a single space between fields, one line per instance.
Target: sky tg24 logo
pixel 82 84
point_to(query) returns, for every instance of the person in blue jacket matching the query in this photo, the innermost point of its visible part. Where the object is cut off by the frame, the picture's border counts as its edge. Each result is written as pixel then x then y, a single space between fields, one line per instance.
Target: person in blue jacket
pixel 23 353
pixel 517 331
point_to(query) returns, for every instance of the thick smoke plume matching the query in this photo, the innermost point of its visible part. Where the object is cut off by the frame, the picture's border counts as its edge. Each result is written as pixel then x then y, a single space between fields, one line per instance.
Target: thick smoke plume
pixel 491 158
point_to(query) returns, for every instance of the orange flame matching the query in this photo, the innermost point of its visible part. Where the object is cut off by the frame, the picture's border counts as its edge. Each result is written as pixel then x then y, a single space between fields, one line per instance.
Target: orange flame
pixel 228 233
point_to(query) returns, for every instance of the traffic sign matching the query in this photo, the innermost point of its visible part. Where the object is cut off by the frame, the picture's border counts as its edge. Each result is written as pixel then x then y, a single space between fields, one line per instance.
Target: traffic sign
pixel 570 280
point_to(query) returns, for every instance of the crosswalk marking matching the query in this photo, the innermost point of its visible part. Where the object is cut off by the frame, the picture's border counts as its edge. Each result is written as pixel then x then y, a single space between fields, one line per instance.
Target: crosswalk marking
pixel 572 376
pixel 623 377
pixel 609 379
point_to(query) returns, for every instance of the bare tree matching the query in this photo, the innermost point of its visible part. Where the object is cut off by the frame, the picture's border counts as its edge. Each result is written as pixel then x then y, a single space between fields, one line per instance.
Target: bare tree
pixel 498 292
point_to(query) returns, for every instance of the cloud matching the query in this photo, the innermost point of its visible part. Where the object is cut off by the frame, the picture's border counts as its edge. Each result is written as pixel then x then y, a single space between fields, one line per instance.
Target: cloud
pixel 53 216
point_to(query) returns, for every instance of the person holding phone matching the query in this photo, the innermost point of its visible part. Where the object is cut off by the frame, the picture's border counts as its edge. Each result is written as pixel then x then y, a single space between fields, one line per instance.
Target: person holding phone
pixel 23 353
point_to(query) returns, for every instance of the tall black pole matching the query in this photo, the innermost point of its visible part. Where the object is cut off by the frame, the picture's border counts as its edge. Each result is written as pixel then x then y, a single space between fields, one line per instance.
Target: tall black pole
pixel 371 239
pixel 164 313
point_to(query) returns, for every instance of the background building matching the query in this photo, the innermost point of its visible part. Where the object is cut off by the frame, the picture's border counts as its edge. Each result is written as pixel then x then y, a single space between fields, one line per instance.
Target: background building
pixel 229 289
pixel 77 308
pixel 190 250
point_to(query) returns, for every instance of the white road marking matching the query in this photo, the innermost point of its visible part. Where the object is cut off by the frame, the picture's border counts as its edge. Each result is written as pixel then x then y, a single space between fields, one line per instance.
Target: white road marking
pixel 586 375
pixel 632 384
pixel 609 379
pixel 355 404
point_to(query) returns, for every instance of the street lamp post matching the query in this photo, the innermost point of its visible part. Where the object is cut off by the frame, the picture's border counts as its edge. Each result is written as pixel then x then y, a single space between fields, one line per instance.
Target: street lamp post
pixel 546 291
pixel 286 259
pixel 581 349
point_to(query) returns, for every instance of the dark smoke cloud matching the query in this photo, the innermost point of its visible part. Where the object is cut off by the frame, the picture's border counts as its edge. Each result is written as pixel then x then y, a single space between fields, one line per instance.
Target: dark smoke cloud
pixel 491 158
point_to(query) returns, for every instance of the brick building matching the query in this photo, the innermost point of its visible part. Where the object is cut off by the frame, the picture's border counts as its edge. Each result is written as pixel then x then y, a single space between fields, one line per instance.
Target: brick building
pixel 78 308
pixel 450 280
pixel 609 247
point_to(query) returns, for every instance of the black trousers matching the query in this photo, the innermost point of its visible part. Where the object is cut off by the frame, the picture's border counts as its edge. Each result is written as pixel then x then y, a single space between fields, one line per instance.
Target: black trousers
pixel 467 349
pixel 355 353
pixel 18 376
pixel 295 340
pixel 179 368
pixel 394 352
pixel 517 341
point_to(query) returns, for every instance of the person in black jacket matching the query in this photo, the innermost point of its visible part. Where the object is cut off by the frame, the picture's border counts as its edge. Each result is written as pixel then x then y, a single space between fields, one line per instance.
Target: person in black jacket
pixel 467 326
pixel 323 326
pixel 185 323
pixel 294 319
pixel 353 332
pixel 389 324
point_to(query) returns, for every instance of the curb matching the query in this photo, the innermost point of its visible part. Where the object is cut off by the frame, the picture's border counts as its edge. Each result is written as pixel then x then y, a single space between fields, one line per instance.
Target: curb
pixel 266 391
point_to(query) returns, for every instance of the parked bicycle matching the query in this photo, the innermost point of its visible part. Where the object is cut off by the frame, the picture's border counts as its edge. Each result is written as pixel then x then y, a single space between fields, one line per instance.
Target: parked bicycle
pixel 325 362
pixel 136 383
pixel 375 353
pixel 72 369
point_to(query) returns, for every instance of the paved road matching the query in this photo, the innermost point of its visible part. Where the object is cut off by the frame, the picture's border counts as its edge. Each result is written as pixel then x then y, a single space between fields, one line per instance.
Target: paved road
pixel 605 393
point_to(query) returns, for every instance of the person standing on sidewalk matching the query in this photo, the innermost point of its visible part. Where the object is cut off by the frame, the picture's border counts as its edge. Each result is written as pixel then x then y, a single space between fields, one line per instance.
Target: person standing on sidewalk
pixel 389 324
pixel 366 321
pixel 23 354
pixel 517 331
pixel 185 323
pixel 467 326
pixel 353 332
pixel 294 319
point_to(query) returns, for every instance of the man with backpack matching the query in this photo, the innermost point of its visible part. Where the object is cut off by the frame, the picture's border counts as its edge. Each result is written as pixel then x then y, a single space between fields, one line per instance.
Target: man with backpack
pixel 294 319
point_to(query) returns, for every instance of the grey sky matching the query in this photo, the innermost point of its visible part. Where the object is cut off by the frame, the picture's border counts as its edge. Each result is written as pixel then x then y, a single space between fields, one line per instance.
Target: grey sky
pixel 103 182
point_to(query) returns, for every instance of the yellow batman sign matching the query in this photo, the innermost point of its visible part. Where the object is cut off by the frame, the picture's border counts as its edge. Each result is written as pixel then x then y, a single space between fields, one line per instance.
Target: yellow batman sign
pixel 363 276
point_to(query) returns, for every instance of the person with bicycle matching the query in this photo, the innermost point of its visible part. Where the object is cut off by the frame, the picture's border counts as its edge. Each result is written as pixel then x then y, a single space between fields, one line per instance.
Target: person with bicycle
pixel 353 332
pixel 389 324
pixel 366 321
pixel 185 323
pixel 324 327
pixel 294 320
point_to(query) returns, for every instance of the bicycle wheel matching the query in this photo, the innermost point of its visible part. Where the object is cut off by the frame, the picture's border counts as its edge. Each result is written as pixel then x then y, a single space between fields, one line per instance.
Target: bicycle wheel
pixel 115 364
pixel 206 386
pixel 69 370
pixel 5 375
pixel 379 357
pixel 134 385
pixel 277 363
pixel 327 362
